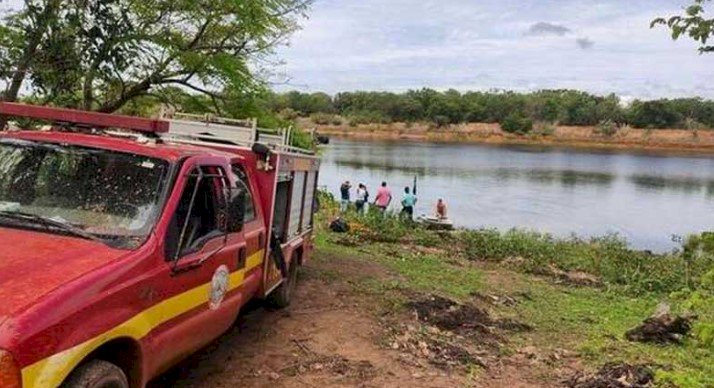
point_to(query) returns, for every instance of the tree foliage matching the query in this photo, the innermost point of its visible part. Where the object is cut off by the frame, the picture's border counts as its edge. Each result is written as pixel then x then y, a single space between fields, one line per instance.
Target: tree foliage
pixel 692 23
pixel 102 54
pixel 564 107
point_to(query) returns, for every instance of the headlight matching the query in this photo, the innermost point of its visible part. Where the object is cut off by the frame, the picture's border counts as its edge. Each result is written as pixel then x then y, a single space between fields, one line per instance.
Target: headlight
pixel 10 376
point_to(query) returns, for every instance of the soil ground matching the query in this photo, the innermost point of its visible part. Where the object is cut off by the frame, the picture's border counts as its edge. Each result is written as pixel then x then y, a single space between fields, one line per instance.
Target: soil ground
pixel 373 314
pixel 334 335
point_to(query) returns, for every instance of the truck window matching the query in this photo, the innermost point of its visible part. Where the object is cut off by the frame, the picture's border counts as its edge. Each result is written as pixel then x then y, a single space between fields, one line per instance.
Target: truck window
pixel 196 219
pixel 114 196
pixel 242 183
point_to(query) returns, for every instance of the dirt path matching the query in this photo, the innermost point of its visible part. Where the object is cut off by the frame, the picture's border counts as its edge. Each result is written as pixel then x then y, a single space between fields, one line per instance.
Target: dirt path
pixel 331 336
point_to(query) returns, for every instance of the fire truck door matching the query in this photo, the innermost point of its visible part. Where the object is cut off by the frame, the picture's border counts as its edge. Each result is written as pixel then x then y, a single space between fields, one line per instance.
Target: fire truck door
pixel 200 283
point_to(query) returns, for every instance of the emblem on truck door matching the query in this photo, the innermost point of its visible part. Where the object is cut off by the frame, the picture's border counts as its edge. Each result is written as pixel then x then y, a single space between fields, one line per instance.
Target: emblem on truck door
pixel 219 286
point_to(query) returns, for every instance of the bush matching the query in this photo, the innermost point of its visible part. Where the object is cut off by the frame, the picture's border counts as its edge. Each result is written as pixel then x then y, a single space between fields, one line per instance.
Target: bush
pixel 544 129
pixel 517 123
pixel 288 114
pixel 607 128
pixel 692 124
pixel 302 139
pixel 321 118
pixel 608 257
pixel 441 121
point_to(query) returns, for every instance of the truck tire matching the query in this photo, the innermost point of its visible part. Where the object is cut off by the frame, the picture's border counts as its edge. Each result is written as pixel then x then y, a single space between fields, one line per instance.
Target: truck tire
pixel 282 296
pixel 97 374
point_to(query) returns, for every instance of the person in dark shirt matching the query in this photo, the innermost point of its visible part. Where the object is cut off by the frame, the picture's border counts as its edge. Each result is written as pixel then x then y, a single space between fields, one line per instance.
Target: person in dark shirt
pixel 345 196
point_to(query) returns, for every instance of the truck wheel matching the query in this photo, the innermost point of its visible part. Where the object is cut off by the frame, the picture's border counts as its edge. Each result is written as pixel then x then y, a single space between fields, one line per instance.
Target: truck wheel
pixel 282 296
pixel 97 374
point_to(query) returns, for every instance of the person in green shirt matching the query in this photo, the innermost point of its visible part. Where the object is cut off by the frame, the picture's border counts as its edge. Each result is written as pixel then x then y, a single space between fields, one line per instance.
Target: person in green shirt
pixel 408 202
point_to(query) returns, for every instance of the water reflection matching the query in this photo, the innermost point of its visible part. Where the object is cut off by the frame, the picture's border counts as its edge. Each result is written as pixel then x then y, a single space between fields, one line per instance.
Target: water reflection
pixel 540 176
pixel 644 197
pixel 688 185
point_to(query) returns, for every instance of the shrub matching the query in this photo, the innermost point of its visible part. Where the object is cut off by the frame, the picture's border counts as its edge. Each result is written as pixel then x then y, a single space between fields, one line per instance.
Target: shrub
pixel 607 128
pixel 302 139
pixel 543 128
pixel 608 257
pixel 441 121
pixel 692 124
pixel 288 114
pixel 517 123
pixel 321 118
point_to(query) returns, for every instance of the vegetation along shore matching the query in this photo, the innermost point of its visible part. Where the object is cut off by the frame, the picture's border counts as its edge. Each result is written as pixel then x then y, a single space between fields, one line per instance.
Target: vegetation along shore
pixel 548 117
pixel 564 311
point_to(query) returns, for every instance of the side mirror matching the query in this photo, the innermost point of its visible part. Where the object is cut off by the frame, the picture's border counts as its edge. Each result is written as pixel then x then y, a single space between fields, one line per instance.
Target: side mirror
pixel 235 210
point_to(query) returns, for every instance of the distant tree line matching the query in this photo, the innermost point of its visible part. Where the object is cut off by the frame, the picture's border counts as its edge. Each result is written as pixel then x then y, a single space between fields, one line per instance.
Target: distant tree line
pixel 515 111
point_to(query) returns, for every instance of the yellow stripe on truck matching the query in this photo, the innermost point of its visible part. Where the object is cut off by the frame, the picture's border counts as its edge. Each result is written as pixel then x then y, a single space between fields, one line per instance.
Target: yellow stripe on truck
pixel 51 371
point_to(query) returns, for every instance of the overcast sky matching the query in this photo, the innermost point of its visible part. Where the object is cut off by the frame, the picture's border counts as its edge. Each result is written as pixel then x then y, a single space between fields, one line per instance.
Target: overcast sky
pixel 602 46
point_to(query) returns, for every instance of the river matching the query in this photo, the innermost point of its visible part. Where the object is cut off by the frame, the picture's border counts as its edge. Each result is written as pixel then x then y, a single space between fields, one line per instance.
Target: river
pixel 645 197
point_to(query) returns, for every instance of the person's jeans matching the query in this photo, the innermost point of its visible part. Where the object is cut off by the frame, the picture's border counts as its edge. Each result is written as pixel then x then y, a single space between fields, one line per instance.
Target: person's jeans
pixel 344 204
pixel 408 212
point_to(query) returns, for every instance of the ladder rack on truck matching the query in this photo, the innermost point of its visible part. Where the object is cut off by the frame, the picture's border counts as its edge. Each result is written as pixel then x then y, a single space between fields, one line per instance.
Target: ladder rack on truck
pixel 208 129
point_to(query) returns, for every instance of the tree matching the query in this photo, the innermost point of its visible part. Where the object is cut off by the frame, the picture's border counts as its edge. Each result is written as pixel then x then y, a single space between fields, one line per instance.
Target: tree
pixel 692 23
pixel 101 54
pixel 654 114
pixel 20 37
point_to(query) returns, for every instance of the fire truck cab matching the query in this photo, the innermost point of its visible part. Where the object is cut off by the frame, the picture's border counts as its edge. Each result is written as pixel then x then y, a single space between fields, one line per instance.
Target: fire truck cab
pixel 128 243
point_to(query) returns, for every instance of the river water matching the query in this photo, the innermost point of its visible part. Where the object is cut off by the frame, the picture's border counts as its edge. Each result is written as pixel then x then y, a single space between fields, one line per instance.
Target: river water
pixel 645 197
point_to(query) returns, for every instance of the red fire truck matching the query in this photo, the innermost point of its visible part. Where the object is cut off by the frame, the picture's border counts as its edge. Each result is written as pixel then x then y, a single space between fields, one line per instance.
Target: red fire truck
pixel 128 243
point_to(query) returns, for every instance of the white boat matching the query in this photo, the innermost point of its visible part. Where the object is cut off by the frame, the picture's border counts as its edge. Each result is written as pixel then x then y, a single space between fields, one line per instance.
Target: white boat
pixel 436 223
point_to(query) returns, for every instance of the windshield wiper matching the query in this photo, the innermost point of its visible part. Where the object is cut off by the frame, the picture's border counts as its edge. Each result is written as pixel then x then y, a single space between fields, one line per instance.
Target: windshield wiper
pixel 48 222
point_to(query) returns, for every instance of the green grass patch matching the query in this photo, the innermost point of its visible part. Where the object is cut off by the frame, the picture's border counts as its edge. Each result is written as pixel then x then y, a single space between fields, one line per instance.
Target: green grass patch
pixel 589 321
pixel 430 273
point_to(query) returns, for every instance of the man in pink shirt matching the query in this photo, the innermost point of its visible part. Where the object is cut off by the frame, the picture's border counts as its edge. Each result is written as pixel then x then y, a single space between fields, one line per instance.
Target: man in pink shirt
pixel 383 198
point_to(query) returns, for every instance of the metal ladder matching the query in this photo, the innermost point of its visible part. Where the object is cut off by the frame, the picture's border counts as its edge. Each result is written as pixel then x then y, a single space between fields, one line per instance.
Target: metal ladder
pixel 208 129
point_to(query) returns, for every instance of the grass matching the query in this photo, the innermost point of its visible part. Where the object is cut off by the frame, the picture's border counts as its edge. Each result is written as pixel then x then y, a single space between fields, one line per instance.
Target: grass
pixel 589 321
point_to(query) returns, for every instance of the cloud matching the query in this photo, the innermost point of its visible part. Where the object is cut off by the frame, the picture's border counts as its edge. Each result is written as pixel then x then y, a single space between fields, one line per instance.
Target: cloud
pixel 408 44
pixel 543 28
pixel 584 43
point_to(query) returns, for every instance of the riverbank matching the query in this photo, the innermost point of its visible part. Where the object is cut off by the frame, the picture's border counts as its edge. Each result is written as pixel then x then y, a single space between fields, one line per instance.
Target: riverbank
pixel 569 302
pixel 485 133
pixel 391 305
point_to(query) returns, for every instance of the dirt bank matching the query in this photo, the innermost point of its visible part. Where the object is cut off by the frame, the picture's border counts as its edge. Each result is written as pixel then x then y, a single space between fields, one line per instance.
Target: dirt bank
pixel 336 335
pixel 624 138
pixel 328 337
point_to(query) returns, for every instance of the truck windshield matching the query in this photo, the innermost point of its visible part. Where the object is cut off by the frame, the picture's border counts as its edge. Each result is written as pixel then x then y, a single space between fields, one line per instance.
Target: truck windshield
pixel 90 193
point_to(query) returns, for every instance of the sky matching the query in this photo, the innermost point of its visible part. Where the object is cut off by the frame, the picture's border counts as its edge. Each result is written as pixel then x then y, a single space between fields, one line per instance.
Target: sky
pixel 600 46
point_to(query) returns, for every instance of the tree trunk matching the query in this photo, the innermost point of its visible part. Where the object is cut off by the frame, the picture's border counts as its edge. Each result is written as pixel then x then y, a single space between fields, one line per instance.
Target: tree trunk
pixel 33 42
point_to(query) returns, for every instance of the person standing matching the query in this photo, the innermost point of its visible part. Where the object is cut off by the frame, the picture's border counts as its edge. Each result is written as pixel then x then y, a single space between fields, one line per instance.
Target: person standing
pixel 345 196
pixel 383 198
pixel 362 200
pixel 408 202
pixel 441 209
